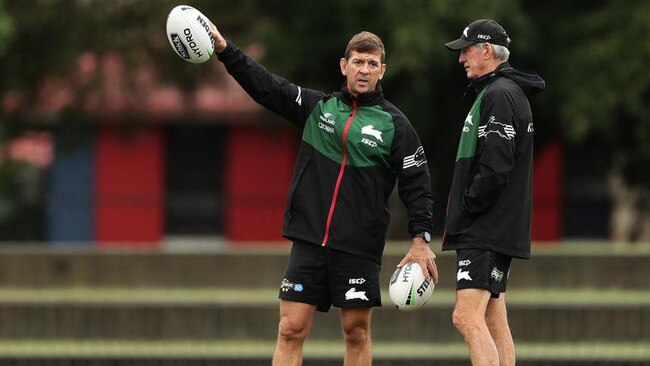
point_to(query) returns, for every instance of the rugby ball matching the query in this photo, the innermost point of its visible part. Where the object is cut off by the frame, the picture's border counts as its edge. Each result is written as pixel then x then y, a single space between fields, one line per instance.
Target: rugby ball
pixel 188 32
pixel 408 288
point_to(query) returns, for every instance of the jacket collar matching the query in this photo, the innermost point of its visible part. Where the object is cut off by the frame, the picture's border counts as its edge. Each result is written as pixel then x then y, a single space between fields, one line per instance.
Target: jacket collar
pixel 373 98
pixel 475 86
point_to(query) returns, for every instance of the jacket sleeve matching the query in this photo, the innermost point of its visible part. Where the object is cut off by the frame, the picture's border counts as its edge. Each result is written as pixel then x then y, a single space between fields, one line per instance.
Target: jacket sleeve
pixel 272 91
pixel 414 182
pixel 498 128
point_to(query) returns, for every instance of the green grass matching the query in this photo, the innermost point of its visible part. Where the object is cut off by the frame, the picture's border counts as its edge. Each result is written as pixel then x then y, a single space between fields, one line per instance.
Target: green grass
pixel 268 296
pixel 313 349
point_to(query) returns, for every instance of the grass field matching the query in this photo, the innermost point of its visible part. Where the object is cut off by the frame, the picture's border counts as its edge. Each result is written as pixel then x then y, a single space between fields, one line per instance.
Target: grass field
pixel 127 296
pixel 633 351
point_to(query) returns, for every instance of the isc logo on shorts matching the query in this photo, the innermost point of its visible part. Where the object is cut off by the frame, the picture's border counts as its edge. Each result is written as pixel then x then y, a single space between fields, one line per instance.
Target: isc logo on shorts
pixel 356 281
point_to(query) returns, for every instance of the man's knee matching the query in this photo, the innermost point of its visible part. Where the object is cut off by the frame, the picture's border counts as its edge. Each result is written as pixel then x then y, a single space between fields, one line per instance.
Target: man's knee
pixel 465 321
pixel 356 329
pixel 357 334
pixel 496 322
pixel 292 330
pixel 458 319
pixel 470 309
pixel 496 316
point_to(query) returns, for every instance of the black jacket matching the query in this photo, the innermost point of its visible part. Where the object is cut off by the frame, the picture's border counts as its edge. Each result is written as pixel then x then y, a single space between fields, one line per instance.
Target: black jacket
pixel 490 199
pixel 339 192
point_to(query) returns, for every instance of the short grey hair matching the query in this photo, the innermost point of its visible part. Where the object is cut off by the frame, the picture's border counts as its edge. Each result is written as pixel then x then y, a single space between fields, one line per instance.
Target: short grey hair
pixel 501 53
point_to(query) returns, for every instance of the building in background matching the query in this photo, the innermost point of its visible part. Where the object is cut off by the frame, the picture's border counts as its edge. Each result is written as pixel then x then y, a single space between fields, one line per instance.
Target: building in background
pixel 146 165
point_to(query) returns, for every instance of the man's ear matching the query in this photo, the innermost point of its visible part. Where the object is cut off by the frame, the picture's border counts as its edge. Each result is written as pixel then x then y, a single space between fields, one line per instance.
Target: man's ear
pixel 383 71
pixel 344 64
pixel 488 51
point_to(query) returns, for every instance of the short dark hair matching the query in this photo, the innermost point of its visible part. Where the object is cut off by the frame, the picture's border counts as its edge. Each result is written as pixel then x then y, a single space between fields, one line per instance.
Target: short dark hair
pixel 365 42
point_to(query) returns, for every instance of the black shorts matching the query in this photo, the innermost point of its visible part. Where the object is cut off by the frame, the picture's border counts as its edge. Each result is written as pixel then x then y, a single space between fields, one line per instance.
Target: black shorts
pixel 482 269
pixel 324 277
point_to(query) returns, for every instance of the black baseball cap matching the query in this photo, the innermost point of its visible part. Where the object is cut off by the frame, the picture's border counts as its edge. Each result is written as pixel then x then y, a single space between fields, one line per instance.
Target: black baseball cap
pixel 482 30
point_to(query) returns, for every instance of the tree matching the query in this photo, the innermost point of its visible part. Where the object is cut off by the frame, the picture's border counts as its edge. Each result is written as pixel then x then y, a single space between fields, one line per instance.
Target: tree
pixel 599 89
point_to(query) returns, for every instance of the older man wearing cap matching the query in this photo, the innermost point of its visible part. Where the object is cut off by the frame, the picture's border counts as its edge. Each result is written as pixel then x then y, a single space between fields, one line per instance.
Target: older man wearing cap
pixel 489 209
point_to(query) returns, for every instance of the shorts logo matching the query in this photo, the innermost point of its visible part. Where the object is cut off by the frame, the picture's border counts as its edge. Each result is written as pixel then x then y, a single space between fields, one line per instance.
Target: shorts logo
pixel 496 274
pixel 463 275
pixel 286 286
pixel 354 294
pixel 356 281
pixel 466 262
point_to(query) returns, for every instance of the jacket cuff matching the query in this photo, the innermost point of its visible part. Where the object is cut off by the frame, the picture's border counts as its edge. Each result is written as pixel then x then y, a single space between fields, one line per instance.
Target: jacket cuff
pixel 228 51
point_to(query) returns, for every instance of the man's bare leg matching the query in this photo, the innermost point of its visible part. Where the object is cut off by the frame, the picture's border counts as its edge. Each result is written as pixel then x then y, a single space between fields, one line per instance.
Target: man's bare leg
pixel 497 322
pixel 469 319
pixel 356 332
pixel 295 322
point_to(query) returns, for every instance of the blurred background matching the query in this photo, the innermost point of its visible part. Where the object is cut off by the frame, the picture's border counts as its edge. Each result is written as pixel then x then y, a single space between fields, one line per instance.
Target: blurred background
pixel 141 197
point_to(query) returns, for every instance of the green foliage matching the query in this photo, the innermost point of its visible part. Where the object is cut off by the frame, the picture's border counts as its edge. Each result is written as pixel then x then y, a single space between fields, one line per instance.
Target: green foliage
pixel 601 82
pixel 52 38
pixel 604 66
pixel 6 28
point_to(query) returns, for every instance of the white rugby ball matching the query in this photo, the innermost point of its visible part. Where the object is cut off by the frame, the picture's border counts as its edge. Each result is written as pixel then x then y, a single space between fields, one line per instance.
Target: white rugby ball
pixel 408 288
pixel 188 32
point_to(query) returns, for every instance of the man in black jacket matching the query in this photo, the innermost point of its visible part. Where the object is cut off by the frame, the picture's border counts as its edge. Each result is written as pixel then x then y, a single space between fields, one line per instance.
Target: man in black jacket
pixel 355 146
pixel 489 209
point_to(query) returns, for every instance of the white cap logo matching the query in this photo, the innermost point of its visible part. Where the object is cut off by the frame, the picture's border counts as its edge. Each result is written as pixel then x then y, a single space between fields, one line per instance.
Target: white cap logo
pixel 465 32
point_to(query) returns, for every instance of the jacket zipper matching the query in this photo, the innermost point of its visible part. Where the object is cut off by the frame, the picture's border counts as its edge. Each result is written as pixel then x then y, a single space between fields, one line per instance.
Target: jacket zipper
pixel 341 170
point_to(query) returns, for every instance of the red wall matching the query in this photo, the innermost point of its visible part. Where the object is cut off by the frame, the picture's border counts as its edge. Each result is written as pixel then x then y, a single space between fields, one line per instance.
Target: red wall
pixel 547 194
pixel 258 174
pixel 129 186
